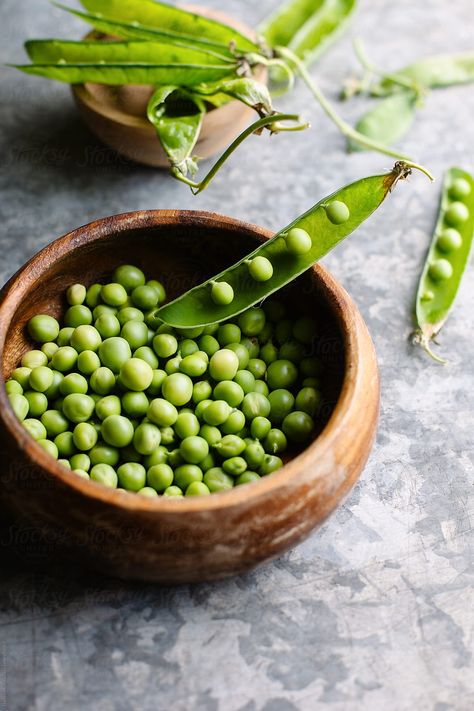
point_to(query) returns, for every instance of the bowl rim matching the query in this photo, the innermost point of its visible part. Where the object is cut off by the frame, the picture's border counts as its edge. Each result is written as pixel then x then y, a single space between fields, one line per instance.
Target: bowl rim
pixel 341 304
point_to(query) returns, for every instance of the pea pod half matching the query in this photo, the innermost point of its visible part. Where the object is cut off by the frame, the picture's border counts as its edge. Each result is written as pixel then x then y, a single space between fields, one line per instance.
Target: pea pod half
pixel 286 255
pixel 447 257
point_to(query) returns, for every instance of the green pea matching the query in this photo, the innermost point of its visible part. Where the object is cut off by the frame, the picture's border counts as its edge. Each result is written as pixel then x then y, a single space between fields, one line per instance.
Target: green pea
pixel 34 359
pixel 456 214
pixel 88 362
pixel 228 333
pixel 304 330
pixel 102 381
pixel 252 321
pixel 260 268
pixel 216 413
pixel 148 492
pixel 78 407
pixel 281 404
pixel 108 405
pixel 252 345
pixel 73 383
pixel 104 454
pixel 281 374
pixel 158 378
pixel 217 480
pixel 145 297
pixel 194 449
pixel 211 434
pixel 337 212
pixel 103 309
pixel 298 426
pixel 37 402
pixel 167 435
pixel 195 364
pixel 261 387
pixel 234 423
pixel 234 466
pixel 266 334
pixel 84 436
pixel 41 378
pixel 440 270
pixel 159 289
pixel 76 294
pixel 93 295
pixel 283 331
pixel 230 446
pixel 208 462
pixel 147 354
pixel 297 242
pixel 160 477
pixel 241 352
pixel 275 442
pixel 104 474
pixel 12 386
pixel 257 367
pixel 208 344
pixel 49 447
pixel 270 464
pixel 186 425
pixel 308 400
pixel 80 461
pixel 292 350
pixel 260 426
pixel 135 404
pixel 449 240
pixel 64 336
pixel 255 405
pixel 459 189
pixel 117 430
pixel 64 359
pixel 201 391
pixel 65 443
pixel 311 367
pixel 55 422
pixel 222 293
pixel 229 391
pixel 269 353
pixel 85 338
pixel 177 388
pixel 173 491
pixel 49 349
pixel 274 310
pixel 162 412
pixel 247 477
pixel 159 456
pixel 114 352
pixel 128 313
pixel 186 474
pixel 146 438
pixel 129 276
pixel 131 476
pixel 64 463
pixel 43 328
pixel 254 454
pixel 35 428
pixel 136 374
pixel 246 380
pixel 165 345
pixel 175 458
pixel 79 315
pixel 197 488
pixel 223 365
pixel 135 333
pixel 114 294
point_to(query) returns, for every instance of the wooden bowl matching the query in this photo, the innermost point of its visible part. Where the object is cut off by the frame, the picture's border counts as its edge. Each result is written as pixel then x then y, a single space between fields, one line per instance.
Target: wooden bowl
pixel 117 114
pixel 192 539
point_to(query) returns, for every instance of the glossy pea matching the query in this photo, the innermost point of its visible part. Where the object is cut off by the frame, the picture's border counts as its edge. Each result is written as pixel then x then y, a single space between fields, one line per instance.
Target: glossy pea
pixel 217 480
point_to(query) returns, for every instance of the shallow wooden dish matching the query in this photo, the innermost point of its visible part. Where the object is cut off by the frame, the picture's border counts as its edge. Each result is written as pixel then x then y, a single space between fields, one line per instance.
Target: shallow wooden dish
pixel 117 114
pixel 196 538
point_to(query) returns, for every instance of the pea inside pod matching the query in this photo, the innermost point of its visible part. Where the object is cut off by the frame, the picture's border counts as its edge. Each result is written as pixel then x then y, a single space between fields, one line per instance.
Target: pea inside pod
pixel 447 257
pixel 318 231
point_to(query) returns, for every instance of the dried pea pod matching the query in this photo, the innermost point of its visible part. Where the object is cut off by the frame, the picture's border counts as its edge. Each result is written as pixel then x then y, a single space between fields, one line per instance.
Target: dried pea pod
pixel 447 257
pixel 285 256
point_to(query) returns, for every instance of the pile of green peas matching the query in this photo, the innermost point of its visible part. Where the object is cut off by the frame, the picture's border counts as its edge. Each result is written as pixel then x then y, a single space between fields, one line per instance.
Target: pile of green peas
pixel 119 397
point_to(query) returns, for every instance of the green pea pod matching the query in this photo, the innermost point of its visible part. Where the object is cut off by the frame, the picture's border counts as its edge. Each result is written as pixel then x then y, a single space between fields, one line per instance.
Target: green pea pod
pixel 388 120
pixel 177 117
pixel 154 14
pixel 122 63
pixel 307 27
pixel 197 308
pixel 249 91
pixel 432 72
pixel 135 30
pixel 447 257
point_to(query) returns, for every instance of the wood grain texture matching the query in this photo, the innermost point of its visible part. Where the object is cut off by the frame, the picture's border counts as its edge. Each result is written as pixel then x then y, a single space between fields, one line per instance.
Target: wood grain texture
pixel 117 114
pixel 198 538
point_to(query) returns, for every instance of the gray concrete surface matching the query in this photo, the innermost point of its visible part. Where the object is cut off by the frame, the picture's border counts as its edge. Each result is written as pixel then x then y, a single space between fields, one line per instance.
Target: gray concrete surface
pixel 375 610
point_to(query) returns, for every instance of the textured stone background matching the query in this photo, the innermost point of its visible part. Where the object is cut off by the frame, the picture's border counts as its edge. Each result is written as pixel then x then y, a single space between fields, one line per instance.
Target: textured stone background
pixel 375 610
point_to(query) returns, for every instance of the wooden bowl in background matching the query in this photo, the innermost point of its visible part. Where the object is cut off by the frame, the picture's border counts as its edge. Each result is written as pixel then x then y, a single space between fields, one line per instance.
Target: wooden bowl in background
pixel 117 114
pixel 199 538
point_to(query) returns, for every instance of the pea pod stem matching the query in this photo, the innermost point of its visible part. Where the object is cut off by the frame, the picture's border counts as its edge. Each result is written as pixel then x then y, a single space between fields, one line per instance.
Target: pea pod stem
pixel 345 128
pixel 272 121
pixel 371 68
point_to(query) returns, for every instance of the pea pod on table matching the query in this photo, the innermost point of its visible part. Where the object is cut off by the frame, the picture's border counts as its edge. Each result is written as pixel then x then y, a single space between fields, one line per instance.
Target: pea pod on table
pixel 286 255
pixel 447 257
pixel 433 72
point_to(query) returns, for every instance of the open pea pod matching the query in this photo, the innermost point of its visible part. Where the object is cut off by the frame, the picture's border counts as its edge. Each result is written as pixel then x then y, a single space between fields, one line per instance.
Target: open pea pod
pixel 138 31
pixel 447 257
pixel 175 20
pixel 389 120
pixel 432 72
pixel 326 224
pixel 307 27
pixel 122 63
pixel 177 117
